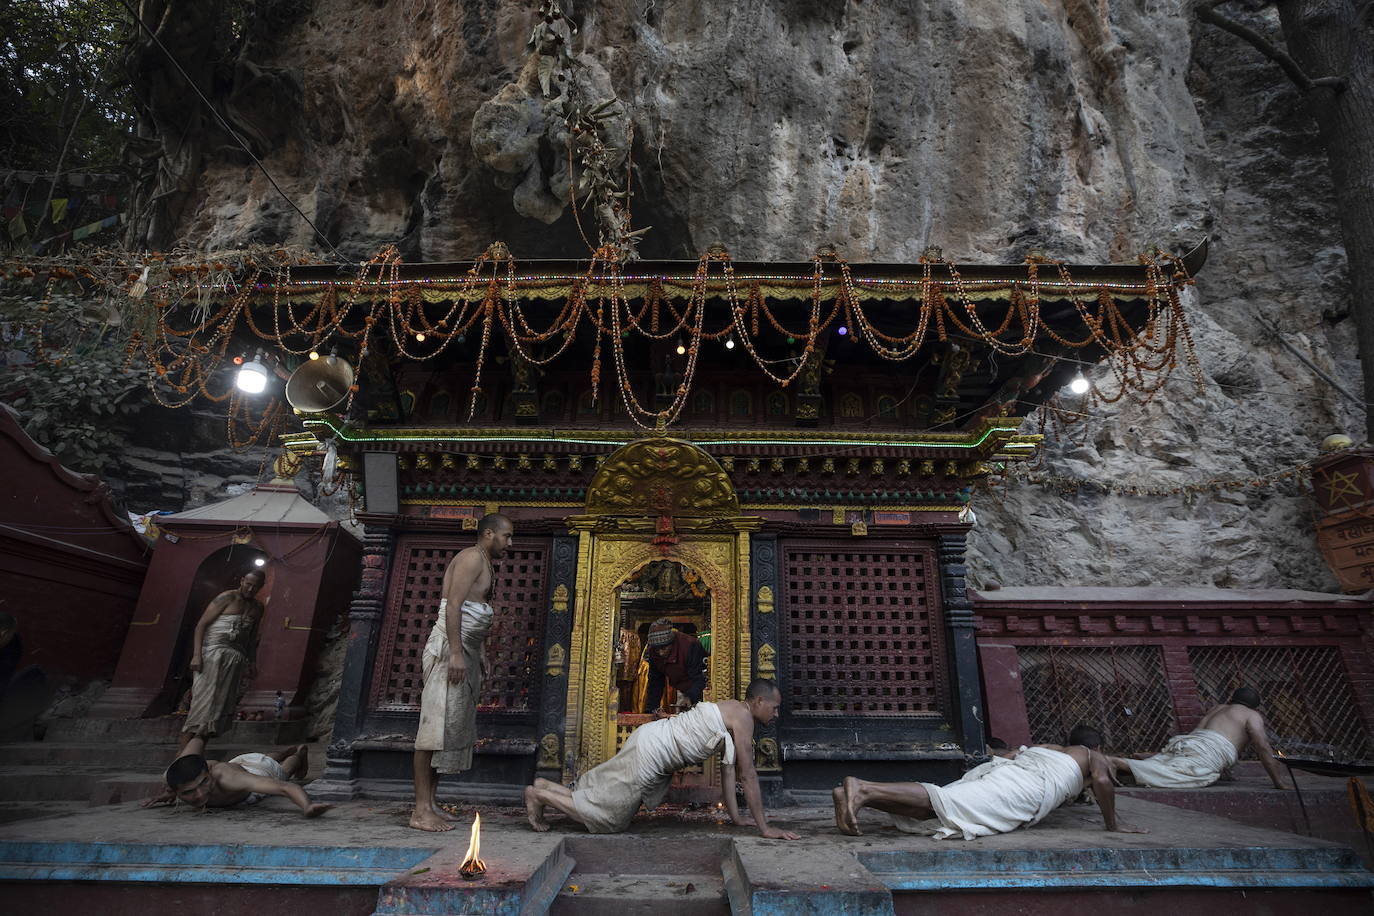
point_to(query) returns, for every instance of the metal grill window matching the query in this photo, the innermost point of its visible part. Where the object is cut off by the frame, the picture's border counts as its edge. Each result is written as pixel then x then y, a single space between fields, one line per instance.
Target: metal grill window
pixel 862 628
pixel 513 648
pixel 1122 690
pixel 1306 690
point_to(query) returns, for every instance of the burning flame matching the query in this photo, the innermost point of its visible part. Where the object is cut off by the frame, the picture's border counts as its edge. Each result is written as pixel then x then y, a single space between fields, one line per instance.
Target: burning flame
pixel 472 865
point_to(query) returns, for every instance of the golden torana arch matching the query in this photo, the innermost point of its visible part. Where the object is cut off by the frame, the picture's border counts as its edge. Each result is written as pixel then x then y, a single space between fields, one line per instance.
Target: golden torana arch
pixel 653 499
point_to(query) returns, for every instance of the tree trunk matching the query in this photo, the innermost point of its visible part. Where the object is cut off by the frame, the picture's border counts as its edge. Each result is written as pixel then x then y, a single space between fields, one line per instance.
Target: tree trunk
pixel 173 124
pixel 1336 38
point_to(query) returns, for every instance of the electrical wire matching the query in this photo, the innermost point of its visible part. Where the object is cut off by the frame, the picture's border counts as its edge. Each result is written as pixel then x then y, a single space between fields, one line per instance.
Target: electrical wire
pixel 233 133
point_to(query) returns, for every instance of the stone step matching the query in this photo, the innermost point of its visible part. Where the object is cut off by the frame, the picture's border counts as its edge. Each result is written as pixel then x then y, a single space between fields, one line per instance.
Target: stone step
pixel 642 895
pixel 268 733
pixel 48 783
pixel 105 755
pixel 12 811
pixel 644 877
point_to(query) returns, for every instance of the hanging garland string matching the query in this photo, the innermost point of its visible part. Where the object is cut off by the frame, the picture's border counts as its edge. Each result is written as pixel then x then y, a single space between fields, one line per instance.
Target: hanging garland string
pixel 184 312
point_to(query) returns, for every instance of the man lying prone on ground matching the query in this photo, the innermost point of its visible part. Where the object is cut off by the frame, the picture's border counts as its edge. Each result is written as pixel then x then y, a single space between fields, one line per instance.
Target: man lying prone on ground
pixel 1198 758
pixel 997 797
pixel 246 779
pixel 607 796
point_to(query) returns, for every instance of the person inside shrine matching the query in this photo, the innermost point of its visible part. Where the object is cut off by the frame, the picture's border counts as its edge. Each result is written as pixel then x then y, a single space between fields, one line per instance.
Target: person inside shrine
pixel 675 659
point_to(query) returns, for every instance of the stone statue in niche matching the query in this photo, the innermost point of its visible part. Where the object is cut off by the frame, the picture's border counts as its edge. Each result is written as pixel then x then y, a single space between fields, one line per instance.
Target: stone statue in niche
pixel 548 752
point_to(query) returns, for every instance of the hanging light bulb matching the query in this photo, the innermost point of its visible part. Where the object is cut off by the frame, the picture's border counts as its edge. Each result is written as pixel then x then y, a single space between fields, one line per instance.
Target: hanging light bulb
pixel 1079 384
pixel 842 331
pixel 314 354
pixel 252 377
pixel 259 561
pixel 729 343
pixel 419 336
pixel 681 350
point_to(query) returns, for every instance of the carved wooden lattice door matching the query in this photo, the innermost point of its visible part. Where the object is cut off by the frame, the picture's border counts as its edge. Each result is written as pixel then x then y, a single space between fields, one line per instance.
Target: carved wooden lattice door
pixel 862 624
pixel 513 649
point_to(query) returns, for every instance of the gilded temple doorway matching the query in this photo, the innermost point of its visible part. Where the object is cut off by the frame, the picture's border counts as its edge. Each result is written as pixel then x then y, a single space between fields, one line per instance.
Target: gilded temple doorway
pixel 662 537
pixel 660 590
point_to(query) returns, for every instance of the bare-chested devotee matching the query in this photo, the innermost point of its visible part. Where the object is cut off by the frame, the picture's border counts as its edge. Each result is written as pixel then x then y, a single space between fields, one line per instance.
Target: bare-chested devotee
pixel 223 652
pixel 453 670
pixel 245 779
pixel 1197 759
pixel 607 796
pixel 997 797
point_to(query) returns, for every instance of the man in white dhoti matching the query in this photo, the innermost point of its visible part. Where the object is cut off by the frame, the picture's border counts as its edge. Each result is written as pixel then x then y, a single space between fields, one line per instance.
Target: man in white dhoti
pixel 1001 795
pixel 244 780
pixel 453 666
pixel 223 652
pixel 1197 759
pixel 606 797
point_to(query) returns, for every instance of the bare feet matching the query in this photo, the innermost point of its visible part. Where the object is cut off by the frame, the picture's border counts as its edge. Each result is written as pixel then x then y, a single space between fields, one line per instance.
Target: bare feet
pixel 316 809
pixel 847 814
pixel 837 796
pixel 429 820
pixel 534 808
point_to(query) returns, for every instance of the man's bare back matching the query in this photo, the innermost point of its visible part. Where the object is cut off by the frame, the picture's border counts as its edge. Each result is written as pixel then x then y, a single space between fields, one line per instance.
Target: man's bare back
pixel 1238 723
pixel 1243 726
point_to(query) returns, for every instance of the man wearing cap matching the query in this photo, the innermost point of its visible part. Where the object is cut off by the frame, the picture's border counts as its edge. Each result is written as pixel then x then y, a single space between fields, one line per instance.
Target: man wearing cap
pixel 676 659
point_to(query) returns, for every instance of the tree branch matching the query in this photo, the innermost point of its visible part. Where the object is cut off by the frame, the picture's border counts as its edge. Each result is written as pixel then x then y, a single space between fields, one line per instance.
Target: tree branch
pixel 1206 11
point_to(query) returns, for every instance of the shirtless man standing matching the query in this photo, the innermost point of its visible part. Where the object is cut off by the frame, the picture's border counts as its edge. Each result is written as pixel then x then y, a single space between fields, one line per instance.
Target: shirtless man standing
pixel 1197 759
pixel 205 783
pixel 223 651
pixel 453 670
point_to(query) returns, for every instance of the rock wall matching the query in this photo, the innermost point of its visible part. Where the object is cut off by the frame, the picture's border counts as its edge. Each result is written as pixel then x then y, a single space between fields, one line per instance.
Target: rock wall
pixel 1090 129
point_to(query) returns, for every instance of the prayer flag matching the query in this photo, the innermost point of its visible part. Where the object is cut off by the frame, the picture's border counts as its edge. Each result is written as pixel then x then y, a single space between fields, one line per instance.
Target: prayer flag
pixel 17 228
pixel 59 209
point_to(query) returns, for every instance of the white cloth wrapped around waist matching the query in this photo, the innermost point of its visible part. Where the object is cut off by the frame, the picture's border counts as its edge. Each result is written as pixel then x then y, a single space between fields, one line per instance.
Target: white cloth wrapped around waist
pixel 475 625
pixel 1000 796
pixel 229 631
pixel 686 739
pixel 1189 761
pixel 608 795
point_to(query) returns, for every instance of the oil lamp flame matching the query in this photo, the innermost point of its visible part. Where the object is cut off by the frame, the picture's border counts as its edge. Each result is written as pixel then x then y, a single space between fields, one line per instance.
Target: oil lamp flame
pixel 473 867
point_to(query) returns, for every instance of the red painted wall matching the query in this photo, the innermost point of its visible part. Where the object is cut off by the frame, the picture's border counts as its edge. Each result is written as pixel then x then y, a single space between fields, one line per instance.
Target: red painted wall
pixel 311 571
pixel 1173 625
pixel 70 565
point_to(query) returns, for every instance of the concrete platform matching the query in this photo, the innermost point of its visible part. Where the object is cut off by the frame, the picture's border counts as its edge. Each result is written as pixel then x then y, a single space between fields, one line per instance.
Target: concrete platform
pixel 362 859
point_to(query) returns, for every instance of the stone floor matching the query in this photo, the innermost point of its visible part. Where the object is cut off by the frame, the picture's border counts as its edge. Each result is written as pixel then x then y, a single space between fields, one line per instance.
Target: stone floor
pixel 70 851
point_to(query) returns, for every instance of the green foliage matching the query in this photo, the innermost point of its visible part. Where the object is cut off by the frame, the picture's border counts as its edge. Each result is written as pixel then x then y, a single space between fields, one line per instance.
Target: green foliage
pixel 61 76
pixel 76 401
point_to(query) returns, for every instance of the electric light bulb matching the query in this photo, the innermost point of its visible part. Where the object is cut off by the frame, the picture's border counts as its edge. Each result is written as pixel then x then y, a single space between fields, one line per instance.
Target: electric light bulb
pixel 1079 384
pixel 681 349
pixel 252 377
pixel 314 354
pixel 730 343
pixel 259 562
pixel 842 331
pixel 419 336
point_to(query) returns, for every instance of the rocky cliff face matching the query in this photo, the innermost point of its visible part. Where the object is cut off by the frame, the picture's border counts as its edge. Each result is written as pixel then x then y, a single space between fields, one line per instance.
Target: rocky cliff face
pixel 1089 129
